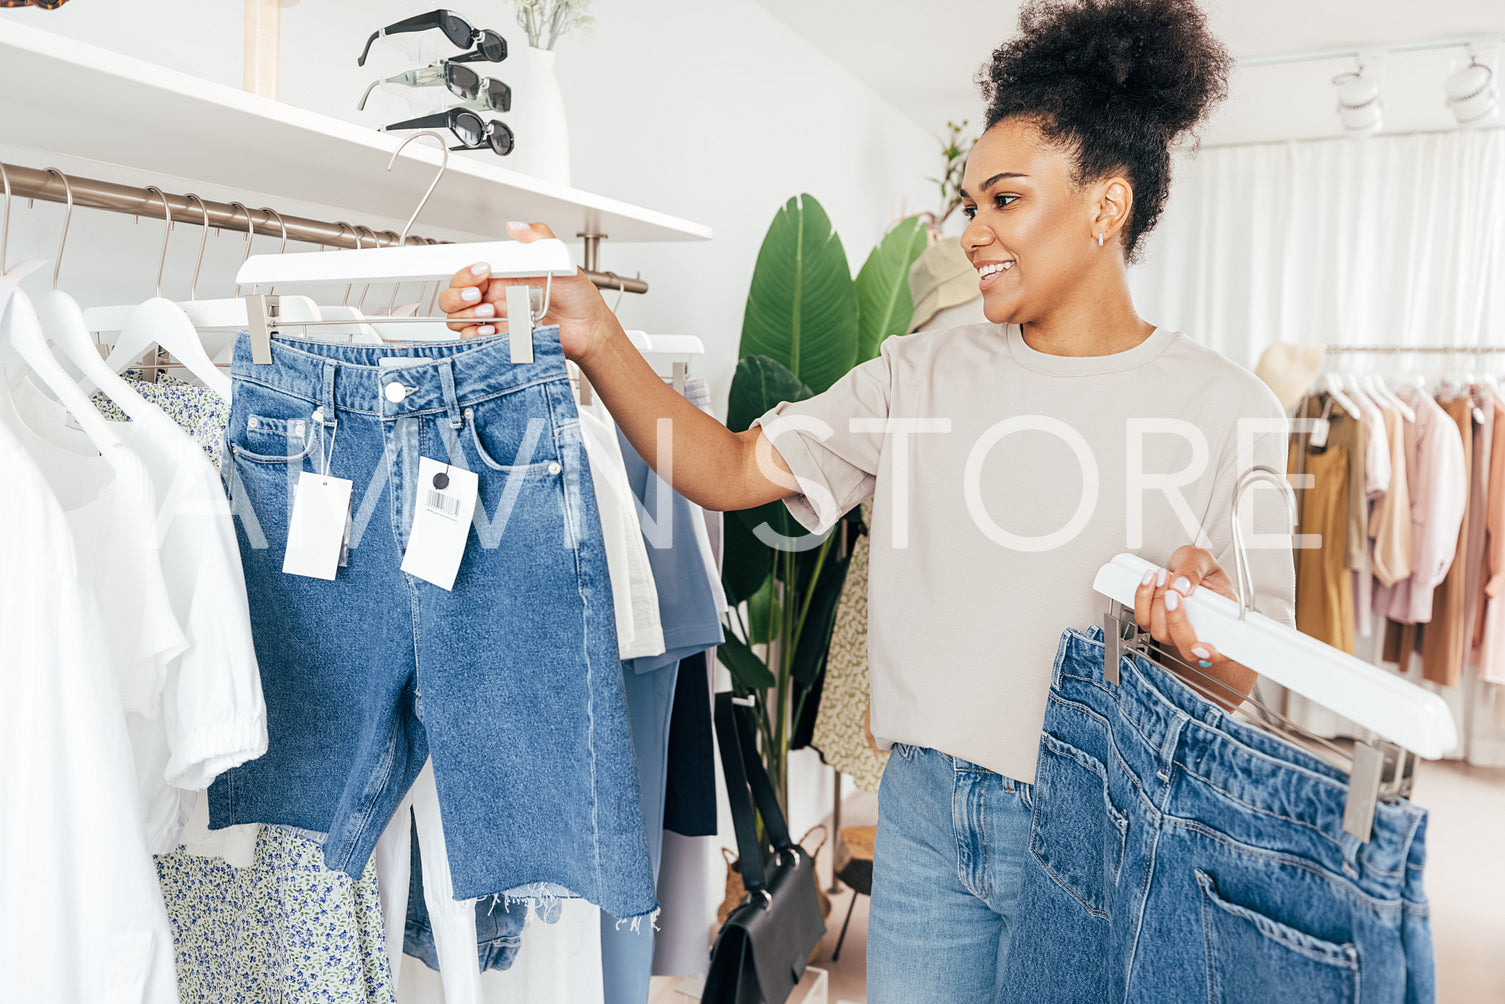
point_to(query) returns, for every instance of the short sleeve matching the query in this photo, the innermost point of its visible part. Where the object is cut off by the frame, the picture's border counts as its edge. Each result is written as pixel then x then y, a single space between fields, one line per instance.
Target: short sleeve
pixel 834 441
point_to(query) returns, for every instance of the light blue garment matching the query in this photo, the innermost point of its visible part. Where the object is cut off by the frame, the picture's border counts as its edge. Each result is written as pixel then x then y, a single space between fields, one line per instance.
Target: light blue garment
pixel 512 681
pixel 1181 856
pixel 951 844
pixel 686 605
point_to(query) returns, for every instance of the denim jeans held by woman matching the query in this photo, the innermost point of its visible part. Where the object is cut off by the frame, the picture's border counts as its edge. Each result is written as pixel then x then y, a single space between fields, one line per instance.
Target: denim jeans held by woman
pixel 511 682
pixel 1178 855
pixel 946 869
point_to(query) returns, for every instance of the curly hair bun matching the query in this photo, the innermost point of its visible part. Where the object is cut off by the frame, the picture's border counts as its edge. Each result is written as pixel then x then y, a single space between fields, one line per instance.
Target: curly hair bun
pixel 1154 60
pixel 1115 81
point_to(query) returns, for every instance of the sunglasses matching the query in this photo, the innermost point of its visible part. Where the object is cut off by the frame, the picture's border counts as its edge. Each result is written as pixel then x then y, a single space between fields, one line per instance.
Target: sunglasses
pixel 479 93
pixel 469 128
pixel 44 4
pixel 492 47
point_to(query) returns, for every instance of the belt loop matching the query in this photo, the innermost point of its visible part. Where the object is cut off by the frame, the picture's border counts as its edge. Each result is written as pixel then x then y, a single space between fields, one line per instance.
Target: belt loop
pixel 447 383
pixel 1168 745
pixel 328 403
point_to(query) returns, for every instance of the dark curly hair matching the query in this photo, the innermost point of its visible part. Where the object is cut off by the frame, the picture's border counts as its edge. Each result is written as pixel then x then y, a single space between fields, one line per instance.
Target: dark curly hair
pixel 1115 82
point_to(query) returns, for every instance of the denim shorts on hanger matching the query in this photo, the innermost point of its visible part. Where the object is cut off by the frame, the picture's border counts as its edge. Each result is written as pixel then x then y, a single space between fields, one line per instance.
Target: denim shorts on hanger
pixel 511 681
pixel 1179 855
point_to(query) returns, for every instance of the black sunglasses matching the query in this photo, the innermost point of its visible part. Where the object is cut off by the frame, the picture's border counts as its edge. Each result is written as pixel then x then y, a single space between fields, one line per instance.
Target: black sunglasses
pixel 469 128
pixel 492 47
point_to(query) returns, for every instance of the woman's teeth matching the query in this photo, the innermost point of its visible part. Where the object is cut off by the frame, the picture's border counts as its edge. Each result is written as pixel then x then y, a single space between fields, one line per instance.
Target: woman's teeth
pixel 988 270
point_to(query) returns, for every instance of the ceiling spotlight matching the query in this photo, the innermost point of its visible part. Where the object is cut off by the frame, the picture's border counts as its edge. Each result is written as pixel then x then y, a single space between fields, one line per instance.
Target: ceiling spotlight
pixel 1359 103
pixel 1473 94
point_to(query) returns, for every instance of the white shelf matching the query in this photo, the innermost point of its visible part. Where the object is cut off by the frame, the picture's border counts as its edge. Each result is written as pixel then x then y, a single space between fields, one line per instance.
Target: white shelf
pixel 155 122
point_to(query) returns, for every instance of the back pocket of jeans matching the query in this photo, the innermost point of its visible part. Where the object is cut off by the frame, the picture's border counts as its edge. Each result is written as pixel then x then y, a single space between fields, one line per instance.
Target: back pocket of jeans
pixel 1077 834
pixel 1252 957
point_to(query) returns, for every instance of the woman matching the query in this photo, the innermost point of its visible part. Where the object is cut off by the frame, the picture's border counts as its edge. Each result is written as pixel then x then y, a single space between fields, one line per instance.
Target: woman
pixel 1008 460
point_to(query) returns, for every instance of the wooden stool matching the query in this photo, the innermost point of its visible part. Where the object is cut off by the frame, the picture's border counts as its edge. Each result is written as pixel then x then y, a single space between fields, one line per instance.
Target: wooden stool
pixel 854 866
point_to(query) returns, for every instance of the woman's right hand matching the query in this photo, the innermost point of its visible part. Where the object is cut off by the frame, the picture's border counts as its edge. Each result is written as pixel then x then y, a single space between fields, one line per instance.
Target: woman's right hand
pixel 475 302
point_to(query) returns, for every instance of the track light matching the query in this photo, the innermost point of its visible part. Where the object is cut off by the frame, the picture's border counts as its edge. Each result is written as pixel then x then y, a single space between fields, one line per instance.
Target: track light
pixel 1359 101
pixel 1473 94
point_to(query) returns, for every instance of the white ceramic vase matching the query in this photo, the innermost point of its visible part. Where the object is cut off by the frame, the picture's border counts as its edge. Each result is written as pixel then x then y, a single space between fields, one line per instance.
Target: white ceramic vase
pixel 537 120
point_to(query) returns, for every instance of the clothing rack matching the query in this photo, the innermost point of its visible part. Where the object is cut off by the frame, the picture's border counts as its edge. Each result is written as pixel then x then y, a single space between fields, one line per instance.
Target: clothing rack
pixel 47 185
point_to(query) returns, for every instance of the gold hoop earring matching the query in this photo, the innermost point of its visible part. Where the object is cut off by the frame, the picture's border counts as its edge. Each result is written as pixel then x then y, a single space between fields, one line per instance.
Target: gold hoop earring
pixel 1099 240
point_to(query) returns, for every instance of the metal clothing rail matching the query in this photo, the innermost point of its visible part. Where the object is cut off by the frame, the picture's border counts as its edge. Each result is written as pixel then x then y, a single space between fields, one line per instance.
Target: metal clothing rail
pixel 30 183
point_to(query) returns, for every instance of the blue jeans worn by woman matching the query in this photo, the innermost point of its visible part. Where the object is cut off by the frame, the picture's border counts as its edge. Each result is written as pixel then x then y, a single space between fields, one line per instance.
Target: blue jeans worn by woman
pixel 947 863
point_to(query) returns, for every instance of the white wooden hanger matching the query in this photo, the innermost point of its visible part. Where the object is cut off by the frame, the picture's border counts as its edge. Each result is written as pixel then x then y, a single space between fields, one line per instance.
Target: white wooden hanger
pixel 1401 712
pixel 406 263
pixel 23 346
pixel 159 321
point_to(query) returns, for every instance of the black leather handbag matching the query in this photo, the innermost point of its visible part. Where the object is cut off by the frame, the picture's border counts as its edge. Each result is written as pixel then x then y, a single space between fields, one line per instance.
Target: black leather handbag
pixel 761 951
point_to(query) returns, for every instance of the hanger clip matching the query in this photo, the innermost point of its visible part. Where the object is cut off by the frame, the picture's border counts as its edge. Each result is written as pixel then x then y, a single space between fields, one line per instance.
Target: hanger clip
pixel 520 324
pixel 261 318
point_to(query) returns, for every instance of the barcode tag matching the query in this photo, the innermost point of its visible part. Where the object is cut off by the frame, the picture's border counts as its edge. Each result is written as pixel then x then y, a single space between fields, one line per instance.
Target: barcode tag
pixel 441 522
pixel 445 505
pixel 317 528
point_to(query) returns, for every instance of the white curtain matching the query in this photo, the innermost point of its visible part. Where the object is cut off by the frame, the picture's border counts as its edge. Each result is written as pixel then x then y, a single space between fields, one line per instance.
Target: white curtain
pixel 1390 240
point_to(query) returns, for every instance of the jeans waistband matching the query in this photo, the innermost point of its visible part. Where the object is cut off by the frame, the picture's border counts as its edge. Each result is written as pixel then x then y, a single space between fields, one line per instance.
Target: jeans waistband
pixel 1244 762
pixel 411 378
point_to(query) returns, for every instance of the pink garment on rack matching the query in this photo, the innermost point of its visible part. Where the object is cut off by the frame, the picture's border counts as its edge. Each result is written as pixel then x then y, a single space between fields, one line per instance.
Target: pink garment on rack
pixel 1438 481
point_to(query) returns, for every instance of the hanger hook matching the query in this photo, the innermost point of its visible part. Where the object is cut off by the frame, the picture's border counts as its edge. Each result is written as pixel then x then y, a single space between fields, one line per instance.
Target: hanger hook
pixel 67 219
pixel 1243 581
pixel 621 292
pixel 399 239
pixel 5 218
pixel 193 291
pixel 443 166
pixel 282 249
pixel 250 235
pixel 166 234
pixel 375 242
pixel 358 246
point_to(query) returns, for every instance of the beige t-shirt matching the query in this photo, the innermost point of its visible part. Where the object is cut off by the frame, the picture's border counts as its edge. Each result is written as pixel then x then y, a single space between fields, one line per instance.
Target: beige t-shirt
pixel 1002 480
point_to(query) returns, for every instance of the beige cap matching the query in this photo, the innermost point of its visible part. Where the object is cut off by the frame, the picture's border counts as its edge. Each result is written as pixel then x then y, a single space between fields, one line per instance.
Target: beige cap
pixel 941 277
pixel 1289 369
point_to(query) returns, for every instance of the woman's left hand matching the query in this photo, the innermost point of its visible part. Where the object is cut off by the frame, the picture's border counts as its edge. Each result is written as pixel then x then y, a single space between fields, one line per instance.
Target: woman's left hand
pixel 1159 609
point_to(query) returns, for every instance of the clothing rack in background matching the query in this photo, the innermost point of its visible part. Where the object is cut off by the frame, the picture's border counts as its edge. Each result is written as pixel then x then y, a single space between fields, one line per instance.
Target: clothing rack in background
pixel 30 183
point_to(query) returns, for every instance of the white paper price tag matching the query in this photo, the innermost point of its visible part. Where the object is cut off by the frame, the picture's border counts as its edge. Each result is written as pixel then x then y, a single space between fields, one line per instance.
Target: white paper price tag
pixel 1320 429
pixel 316 530
pixel 446 502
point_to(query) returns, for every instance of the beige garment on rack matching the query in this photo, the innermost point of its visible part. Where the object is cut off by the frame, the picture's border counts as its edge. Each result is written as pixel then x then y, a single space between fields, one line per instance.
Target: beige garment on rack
pixel 1489 634
pixel 1390 521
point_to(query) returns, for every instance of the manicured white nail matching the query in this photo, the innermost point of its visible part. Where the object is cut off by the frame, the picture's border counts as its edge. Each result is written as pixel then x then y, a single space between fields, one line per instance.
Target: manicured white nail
pixel 1201 652
pixel 470 294
pixel 1182 585
pixel 480 268
pixel 516 225
pixel 486 329
pixel 485 310
pixel 1160 577
pixel 1148 578
pixel 1172 600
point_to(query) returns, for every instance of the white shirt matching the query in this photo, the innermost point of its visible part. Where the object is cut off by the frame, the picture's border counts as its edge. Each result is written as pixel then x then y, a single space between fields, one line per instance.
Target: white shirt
pixel 81 914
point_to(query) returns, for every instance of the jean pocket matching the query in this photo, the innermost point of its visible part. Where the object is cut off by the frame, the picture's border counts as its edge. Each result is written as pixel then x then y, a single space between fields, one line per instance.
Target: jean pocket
pixel 1253 957
pixel 1076 833
pixel 515 434
pixel 268 439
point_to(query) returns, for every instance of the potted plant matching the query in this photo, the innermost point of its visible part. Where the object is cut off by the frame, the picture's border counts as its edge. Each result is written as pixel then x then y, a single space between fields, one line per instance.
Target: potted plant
pixel 807 322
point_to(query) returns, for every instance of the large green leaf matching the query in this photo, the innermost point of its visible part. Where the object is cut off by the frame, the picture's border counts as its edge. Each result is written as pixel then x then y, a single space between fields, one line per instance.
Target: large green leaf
pixel 763 614
pixel 748 671
pixel 758 384
pixel 746 564
pixel 884 304
pixel 802 304
pixel 815 634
